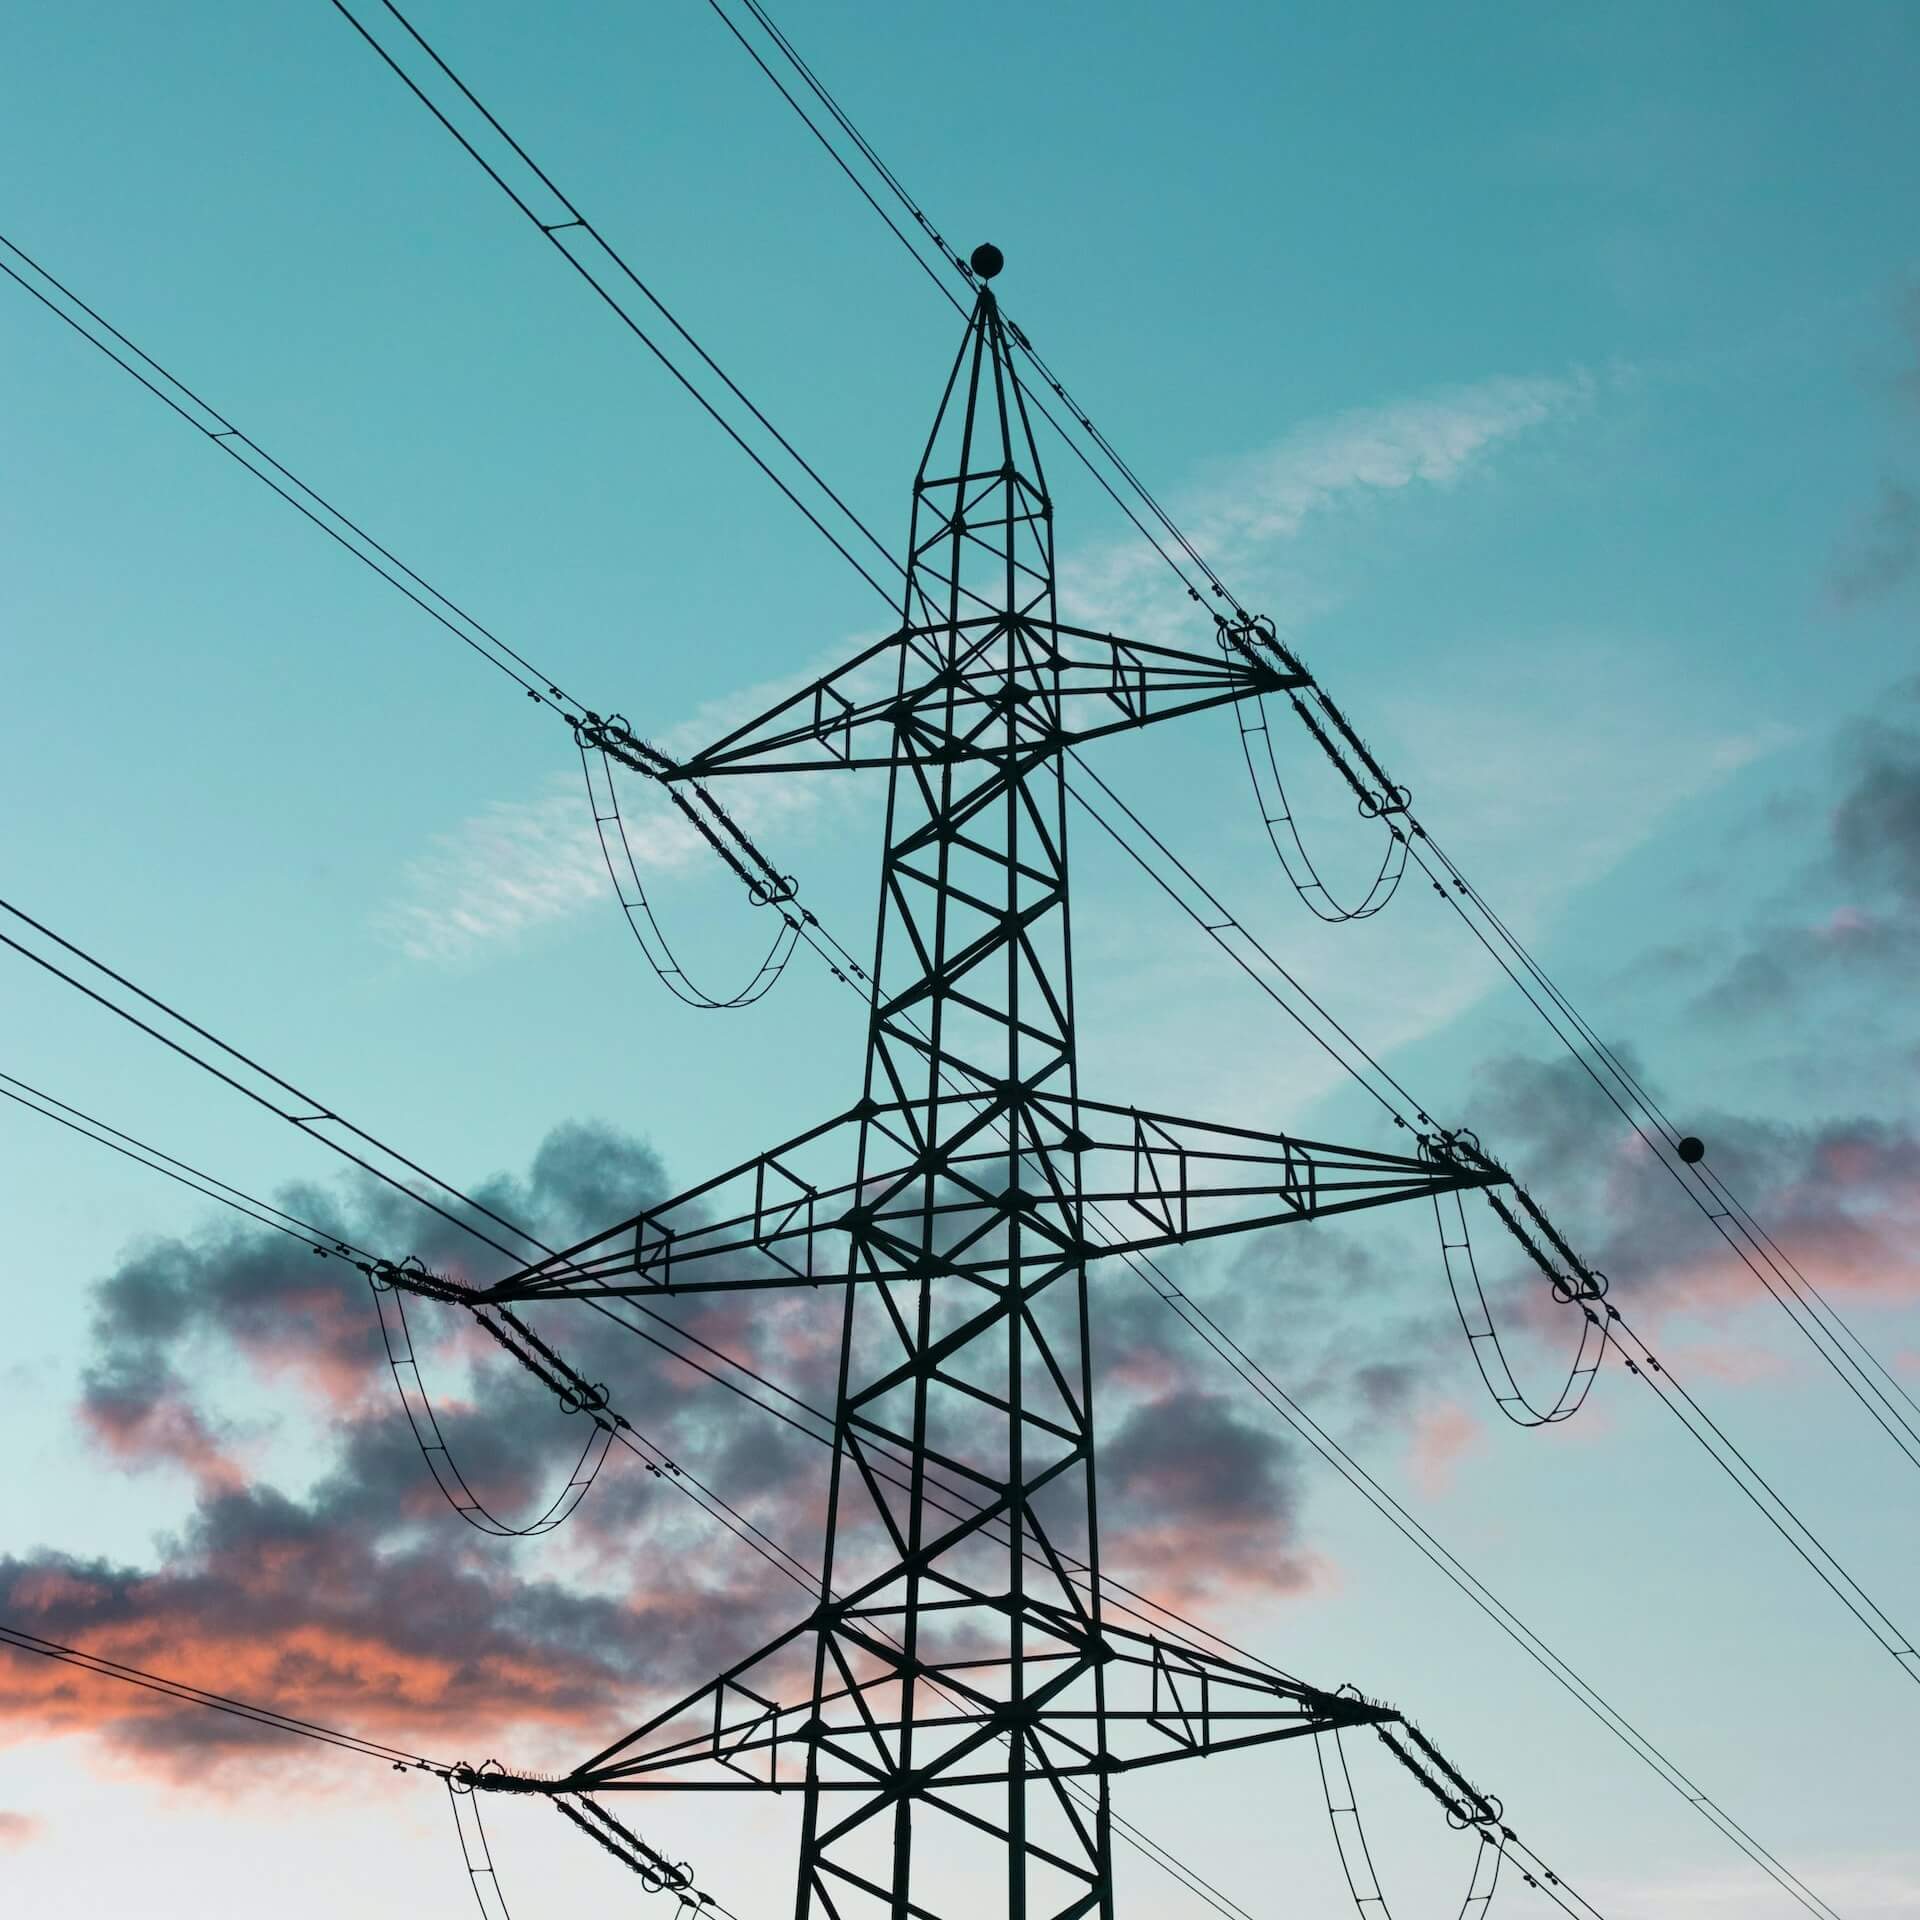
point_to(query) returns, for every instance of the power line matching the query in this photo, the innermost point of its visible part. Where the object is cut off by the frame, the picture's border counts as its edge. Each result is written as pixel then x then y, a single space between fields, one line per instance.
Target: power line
pixel 304 509
pixel 782 1559
pixel 1905 1436
pixel 819 933
pixel 575 222
pixel 397 1757
pixel 1839 1345
pixel 949 257
pixel 611 737
pixel 1253 1374
pixel 442 621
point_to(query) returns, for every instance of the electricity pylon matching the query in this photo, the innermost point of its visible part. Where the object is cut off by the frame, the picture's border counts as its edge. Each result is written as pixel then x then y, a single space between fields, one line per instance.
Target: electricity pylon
pixel 954 1707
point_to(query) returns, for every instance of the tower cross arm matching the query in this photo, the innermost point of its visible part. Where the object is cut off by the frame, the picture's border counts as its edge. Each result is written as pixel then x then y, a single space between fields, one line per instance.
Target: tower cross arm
pixel 945 693
pixel 795 1217
pixel 1160 1180
pixel 1167 1700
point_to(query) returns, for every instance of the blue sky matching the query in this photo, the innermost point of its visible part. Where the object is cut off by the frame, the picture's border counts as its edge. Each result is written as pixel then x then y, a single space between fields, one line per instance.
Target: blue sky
pixel 1552 379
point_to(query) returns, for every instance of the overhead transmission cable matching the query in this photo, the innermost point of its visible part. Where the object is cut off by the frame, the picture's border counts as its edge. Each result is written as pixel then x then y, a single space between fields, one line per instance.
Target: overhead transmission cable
pixel 268 1085
pixel 1256 1376
pixel 700 808
pixel 1391 798
pixel 473 1839
pixel 457 1776
pixel 322 1240
pixel 817 1426
pixel 613 265
pixel 803 925
pixel 610 737
pixel 837 957
pixel 397 1757
pixel 1838 1343
pixel 223 438
pixel 1756 1489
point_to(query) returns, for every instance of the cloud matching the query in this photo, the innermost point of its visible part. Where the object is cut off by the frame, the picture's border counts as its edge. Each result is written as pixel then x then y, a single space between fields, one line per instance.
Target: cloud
pixel 1195 1499
pixel 1827 956
pixel 278 1601
pixel 1251 503
pixel 511 868
pixel 520 865
pixel 1883 550
pixel 358 1598
pixel 1429 441
pixel 1442 1437
pixel 1841 1195
pixel 1876 826
pixel 1851 917
pixel 18 1829
pixel 341 1588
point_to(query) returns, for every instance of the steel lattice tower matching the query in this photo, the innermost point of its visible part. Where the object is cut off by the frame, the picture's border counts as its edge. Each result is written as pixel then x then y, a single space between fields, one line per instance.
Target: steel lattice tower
pixel 954 1708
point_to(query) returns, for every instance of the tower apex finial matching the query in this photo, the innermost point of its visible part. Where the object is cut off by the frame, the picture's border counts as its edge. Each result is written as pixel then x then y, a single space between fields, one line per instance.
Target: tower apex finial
pixel 987 260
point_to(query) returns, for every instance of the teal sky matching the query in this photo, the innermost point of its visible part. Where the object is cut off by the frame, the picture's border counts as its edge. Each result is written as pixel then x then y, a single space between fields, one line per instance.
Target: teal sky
pixel 1551 376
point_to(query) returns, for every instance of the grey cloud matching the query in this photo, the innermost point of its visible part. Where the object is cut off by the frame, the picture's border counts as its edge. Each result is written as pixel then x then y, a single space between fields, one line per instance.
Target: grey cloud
pixel 1884 549
pixel 363 1598
pixel 1852 917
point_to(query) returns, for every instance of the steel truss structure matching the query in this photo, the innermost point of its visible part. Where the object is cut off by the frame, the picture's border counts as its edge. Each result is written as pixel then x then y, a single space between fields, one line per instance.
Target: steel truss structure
pixel 953 1710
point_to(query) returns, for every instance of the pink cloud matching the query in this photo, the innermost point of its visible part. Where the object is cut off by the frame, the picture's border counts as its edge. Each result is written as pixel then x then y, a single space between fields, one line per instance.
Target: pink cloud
pixel 1442 1437
pixel 164 1429
pixel 18 1829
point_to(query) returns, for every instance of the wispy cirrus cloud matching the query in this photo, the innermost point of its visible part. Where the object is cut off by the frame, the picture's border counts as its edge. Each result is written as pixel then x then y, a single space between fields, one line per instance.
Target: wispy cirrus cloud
pixel 522 864
pixel 1430 441
pixel 1257 501
pixel 516 865
pixel 519 865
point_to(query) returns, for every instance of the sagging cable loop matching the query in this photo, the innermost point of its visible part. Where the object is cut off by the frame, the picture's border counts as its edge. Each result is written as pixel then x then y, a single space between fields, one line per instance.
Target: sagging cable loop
pixel 1255 642
pixel 765 883
pixel 391 1281
pixel 1356 1854
pixel 1467 1808
pixel 1459 1150
pixel 615 744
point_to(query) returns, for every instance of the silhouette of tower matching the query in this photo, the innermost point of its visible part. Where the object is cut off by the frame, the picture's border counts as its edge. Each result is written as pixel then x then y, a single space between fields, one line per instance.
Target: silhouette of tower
pixel 953 1709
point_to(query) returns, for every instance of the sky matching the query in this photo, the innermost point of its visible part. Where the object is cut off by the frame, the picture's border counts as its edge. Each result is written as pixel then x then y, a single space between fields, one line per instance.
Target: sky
pixel 1550 377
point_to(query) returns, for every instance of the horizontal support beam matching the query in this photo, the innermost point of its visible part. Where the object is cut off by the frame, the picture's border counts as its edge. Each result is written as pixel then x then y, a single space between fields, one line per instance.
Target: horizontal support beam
pixel 944 695
pixel 1011 1194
